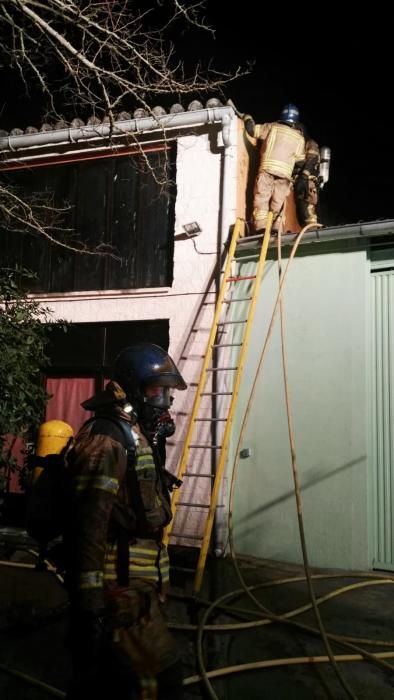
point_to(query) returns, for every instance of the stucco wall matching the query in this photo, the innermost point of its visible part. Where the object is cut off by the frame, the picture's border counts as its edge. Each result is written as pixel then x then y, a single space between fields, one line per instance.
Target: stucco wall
pixel 325 321
pixel 201 167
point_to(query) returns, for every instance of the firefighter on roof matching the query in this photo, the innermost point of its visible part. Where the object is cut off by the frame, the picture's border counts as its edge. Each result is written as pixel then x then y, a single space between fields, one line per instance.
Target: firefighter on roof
pixel 282 147
pixel 307 184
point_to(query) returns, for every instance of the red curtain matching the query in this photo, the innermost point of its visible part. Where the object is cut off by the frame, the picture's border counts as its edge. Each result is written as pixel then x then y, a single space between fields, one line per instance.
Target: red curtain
pixel 65 404
pixel 68 393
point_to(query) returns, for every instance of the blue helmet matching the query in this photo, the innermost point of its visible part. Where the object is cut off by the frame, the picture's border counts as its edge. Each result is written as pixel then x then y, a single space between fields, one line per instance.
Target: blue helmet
pixel 146 363
pixel 290 114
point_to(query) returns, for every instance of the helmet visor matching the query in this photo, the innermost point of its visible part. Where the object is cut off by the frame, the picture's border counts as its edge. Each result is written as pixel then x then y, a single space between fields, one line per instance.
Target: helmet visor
pixel 158 396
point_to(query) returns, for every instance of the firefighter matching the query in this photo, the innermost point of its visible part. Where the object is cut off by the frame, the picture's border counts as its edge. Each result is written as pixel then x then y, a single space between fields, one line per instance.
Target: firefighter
pixel 307 185
pixel 282 148
pixel 117 566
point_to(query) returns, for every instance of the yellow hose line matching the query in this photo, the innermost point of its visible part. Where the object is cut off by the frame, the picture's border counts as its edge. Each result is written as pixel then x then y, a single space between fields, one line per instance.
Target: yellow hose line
pixel 221 465
pixel 297 494
pixel 55 692
pixel 298 611
pixel 335 637
pixel 24 565
pixel 323 633
pixel 18 564
pixel 49 566
pixel 272 663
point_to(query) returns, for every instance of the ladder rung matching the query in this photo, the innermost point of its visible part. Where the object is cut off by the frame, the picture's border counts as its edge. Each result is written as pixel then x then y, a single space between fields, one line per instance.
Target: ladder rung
pixel 220 369
pixel 231 301
pixel 227 345
pixel 238 279
pixel 230 323
pixel 182 569
pixel 242 241
pixel 218 333
pixel 210 420
pixel 191 357
pixel 244 258
pixel 198 505
pixel 207 447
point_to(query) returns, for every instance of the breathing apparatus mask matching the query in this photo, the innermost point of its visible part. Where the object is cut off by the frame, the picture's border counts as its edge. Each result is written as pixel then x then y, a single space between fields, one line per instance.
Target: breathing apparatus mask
pixel 148 375
pixel 155 417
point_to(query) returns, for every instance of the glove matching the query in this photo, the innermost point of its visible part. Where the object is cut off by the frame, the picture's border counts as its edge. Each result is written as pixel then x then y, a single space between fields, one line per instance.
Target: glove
pixel 249 124
pixel 301 187
pixel 165 426
pixel 170 481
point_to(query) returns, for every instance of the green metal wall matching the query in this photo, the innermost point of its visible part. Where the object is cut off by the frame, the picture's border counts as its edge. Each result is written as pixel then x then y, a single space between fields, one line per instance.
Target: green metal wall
pixel 382 417
pixel 326 319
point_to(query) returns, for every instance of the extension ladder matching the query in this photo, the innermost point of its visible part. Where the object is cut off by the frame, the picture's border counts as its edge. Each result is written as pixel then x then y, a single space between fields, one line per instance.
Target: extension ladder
pixel 207 370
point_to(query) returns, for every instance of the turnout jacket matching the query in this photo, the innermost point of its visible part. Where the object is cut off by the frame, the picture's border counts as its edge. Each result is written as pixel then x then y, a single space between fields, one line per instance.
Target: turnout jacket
pixel 282 147
pixel 116 498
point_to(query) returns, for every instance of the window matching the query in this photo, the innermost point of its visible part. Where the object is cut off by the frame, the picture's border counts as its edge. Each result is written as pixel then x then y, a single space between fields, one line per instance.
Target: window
pixel 113 204
pixel 93 347
pixel 82 360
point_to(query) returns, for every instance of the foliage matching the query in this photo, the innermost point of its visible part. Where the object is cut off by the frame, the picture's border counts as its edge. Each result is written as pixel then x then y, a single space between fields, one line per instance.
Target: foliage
pixel 24 333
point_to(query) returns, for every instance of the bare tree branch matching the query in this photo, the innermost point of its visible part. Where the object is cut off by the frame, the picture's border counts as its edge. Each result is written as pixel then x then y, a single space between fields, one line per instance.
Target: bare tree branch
pixel 100 55
pixel 25 216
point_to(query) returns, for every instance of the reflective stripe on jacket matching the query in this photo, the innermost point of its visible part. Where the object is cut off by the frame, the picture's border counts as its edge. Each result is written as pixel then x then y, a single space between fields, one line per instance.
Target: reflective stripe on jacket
pixel 282 147
pixel 99 469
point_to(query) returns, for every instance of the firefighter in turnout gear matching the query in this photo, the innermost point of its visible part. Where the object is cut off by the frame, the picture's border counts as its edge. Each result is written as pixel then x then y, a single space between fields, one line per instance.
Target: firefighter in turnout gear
pixel 117 566
pixel 307 185
pixel 282 147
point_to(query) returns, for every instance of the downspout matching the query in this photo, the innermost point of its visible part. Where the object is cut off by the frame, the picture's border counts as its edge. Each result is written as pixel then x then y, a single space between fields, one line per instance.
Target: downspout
pixel 226 205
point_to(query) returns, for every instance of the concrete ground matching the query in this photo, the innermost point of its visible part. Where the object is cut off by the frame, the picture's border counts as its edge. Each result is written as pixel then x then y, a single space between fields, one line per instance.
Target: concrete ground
pixel 33 611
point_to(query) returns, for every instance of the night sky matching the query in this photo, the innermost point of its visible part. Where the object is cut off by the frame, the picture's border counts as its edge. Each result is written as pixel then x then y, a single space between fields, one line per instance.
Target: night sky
pixel 338 73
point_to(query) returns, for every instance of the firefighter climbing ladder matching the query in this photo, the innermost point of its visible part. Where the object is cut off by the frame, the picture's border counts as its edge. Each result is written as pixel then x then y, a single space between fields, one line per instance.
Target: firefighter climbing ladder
pixel 207 370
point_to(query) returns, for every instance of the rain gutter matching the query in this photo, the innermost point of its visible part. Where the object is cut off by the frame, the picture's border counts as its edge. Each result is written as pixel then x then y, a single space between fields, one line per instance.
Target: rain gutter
pixel 71 135
pixel 363 230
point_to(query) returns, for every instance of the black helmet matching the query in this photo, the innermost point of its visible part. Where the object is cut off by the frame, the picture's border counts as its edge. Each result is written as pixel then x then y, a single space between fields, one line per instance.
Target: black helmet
pixel 145 363
pixel 290 114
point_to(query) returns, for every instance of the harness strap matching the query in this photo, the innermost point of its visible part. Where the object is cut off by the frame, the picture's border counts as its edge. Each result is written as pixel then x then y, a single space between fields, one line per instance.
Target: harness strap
pixel 133 489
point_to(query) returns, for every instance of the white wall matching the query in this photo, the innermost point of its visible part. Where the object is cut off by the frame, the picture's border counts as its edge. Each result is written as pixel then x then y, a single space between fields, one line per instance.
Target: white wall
pixel 200 197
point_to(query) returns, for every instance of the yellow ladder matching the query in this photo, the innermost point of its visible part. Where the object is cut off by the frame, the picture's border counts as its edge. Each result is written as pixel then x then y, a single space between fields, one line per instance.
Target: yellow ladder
pixel 207 371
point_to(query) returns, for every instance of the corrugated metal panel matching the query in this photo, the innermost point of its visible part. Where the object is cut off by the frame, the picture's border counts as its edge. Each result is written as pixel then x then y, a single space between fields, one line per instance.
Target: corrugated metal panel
pixel 383 416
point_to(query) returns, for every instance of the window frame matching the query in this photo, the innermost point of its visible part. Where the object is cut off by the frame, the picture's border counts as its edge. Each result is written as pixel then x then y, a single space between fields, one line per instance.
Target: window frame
pixel 162 278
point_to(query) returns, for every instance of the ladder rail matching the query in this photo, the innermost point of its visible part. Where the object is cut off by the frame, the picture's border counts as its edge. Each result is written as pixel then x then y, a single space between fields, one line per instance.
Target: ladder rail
pixel 203 375
pixel 227 432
